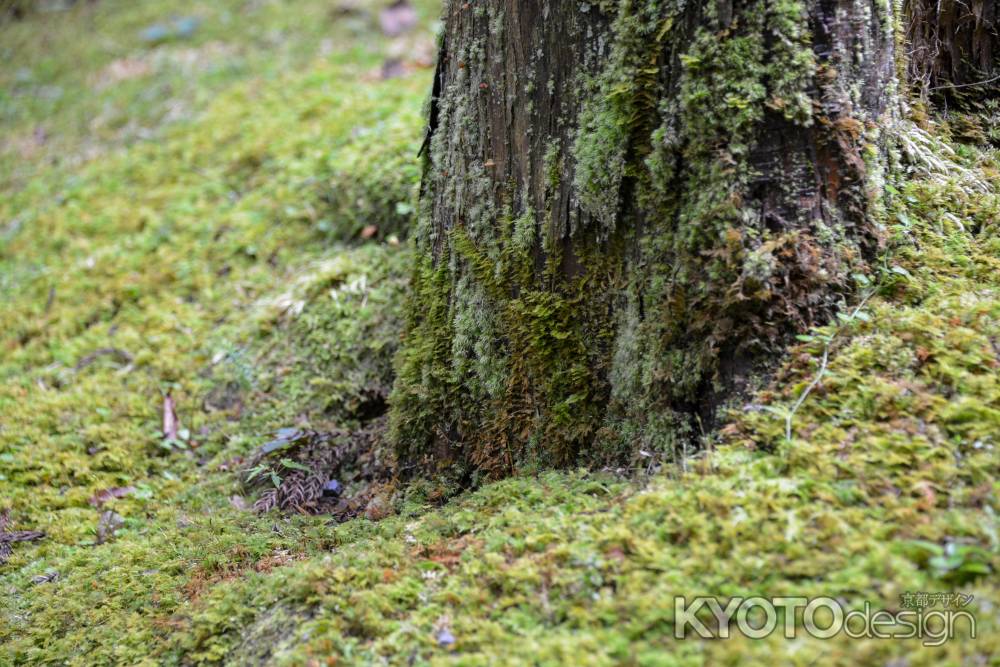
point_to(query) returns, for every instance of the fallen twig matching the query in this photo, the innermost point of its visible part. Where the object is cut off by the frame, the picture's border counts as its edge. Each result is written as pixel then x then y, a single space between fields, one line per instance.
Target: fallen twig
pixel 7 538
pixel 822 369
pixel 123 357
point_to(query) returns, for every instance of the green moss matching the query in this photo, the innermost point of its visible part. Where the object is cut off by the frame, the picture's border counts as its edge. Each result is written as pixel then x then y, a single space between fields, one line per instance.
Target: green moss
pixel 501 348
pixel 885 466
pixel 619 110
pixel 200 265
pixel 424 378
pixel 892 460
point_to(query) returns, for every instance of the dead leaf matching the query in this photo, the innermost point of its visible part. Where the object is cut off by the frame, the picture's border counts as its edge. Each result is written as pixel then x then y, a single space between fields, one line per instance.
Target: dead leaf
pixel 377 508
pixel 49 576
pixel 170 424
pixel 346 8
pixel 108 525
pixel 393 68
pixel 104 495
pixel 928 500
pixel 230 464
pixel 122 357
pixel 616 553
pixel 21 536
pixel 397 18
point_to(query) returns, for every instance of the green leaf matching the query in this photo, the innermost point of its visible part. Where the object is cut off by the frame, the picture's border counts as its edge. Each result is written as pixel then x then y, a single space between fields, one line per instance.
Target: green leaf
pixel 288 463
pixel 898 270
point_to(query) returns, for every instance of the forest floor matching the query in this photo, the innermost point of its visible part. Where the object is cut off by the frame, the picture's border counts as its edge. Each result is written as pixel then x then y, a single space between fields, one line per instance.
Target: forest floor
pixel 211 210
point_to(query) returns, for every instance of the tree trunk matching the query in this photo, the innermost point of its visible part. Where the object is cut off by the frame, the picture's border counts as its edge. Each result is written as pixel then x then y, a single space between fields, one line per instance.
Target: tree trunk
pixel 954 47
pixel 627 209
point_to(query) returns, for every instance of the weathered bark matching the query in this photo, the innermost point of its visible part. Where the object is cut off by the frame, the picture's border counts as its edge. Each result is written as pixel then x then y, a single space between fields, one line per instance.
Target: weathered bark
pixel 627 209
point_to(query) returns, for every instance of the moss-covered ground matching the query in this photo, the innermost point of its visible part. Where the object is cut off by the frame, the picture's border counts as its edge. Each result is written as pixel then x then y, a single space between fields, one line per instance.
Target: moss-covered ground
pixel 185 218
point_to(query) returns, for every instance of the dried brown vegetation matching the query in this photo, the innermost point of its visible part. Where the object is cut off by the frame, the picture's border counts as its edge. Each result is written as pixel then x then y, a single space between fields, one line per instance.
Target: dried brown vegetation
pixel 336 472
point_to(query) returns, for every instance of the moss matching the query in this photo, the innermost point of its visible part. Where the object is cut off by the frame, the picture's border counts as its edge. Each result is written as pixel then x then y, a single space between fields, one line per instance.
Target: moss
pixel 619 109
pixel 577 566
pixel 601 155
pixel 423 370
pixel 892 459
pixel 574 567
pixel 200 265
pixel 474 336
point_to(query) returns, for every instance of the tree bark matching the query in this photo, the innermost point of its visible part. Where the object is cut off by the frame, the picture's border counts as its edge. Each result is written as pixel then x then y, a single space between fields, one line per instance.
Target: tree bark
pixel 627 210
pixel 954 47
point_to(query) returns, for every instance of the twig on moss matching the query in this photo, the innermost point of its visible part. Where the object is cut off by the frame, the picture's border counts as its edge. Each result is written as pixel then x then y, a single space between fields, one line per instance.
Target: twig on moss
pixel 7 538
pixel 822 368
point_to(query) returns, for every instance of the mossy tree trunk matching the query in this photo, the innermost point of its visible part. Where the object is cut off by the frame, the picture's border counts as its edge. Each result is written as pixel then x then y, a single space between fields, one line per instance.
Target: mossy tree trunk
pixel 628 208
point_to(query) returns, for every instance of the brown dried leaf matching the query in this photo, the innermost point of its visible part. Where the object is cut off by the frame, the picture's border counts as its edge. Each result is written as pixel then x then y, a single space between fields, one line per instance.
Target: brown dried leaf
pixel 171 425
pixel 108 525
pixel 104 495
pixel 393 68
pixel 21 536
